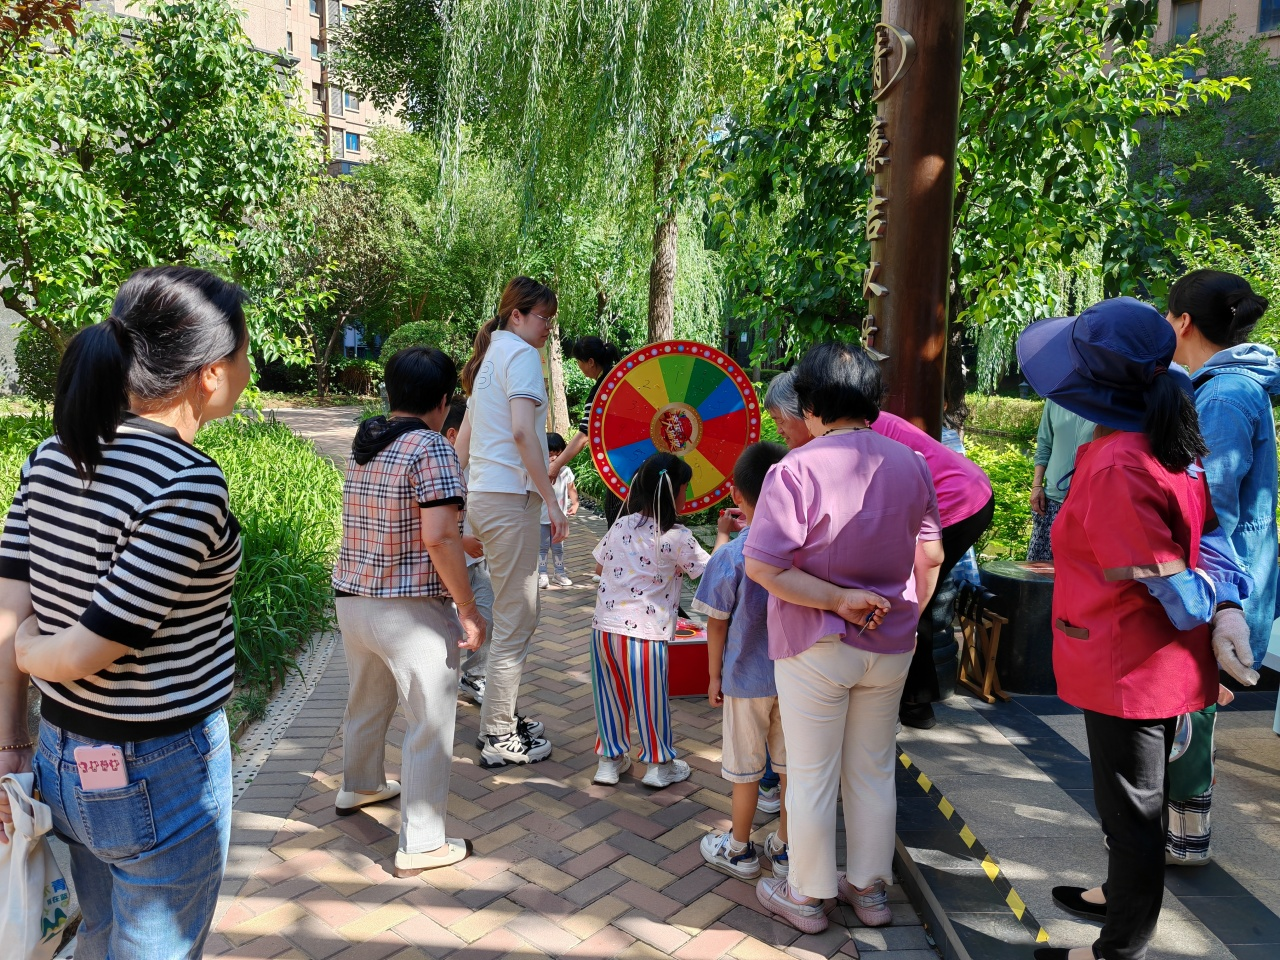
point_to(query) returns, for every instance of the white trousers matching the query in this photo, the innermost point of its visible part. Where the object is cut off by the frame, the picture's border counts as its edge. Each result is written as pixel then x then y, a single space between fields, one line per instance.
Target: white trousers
pixel 839 710
pixel 405 649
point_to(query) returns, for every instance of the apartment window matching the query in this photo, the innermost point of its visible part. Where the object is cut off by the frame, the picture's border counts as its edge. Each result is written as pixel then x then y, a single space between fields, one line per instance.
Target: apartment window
pixel 347 11
pixel 1186 19
pixel 350 101
pixel 317 93
pixel 1268 16
pixel 288 40
pixel 316 49
pixel 338 140
pixel 353 143
pixel 288 4
pixel 315 8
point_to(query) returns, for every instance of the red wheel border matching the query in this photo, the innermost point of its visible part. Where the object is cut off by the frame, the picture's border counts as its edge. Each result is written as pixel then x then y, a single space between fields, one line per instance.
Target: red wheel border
pixel 599 453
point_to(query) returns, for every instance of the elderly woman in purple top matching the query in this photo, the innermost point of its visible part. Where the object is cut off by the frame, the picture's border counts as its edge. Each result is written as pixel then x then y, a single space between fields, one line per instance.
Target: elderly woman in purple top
pixel 847 541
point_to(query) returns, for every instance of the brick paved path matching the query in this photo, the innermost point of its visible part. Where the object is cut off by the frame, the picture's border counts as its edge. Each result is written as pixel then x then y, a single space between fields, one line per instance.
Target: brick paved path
pixel 564 868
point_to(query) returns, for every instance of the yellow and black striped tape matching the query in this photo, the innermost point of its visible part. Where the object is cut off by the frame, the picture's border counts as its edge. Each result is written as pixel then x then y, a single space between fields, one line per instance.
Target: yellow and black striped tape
pixel 989 865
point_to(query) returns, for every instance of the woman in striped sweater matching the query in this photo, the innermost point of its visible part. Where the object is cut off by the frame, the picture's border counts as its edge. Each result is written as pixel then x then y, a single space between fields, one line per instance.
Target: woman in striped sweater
pixel 116 568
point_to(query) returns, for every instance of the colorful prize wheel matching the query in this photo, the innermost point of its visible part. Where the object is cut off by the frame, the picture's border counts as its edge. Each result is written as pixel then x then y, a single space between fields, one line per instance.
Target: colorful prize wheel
pixel 677 397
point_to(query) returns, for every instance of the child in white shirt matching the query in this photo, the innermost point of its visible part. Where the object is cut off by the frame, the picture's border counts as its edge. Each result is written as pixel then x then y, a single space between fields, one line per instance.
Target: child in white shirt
pixel 567 498
pixel 644 556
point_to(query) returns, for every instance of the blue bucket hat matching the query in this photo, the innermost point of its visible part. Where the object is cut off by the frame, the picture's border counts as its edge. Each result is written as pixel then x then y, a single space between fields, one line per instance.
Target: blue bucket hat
pixel 1100 364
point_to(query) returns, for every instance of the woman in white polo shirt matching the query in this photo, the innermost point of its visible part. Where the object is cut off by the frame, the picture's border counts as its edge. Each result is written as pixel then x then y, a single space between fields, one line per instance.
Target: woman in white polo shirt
pixel 503 440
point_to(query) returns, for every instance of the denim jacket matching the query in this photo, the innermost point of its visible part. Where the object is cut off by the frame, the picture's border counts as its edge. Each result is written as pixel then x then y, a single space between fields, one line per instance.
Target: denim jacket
pixel 1233 399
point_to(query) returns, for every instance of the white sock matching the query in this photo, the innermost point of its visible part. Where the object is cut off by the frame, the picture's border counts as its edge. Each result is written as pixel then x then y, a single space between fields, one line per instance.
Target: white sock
pixel 735 847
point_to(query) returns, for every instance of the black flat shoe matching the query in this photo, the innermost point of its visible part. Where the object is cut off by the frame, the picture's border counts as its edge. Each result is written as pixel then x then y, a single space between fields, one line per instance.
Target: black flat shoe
pixel 1071 899
pixel 918 715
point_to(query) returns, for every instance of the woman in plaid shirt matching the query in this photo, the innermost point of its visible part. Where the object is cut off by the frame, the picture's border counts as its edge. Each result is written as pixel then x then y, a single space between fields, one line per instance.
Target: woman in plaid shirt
pixel 399 573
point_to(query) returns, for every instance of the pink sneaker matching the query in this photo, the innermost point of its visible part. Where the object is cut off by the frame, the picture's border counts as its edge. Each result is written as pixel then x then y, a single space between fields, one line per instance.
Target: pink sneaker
pixel 805 917
pixel 872 907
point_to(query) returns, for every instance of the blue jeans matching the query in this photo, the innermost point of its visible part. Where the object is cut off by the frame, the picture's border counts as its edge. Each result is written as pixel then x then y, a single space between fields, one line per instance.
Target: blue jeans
pixel 146 859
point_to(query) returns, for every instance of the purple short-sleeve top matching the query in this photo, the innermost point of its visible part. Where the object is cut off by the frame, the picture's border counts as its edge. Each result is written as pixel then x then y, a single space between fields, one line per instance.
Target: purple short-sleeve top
pixel 847 509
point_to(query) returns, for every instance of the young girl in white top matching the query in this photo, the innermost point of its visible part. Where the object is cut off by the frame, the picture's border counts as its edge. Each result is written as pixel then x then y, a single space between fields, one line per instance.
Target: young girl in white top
pixel 643 556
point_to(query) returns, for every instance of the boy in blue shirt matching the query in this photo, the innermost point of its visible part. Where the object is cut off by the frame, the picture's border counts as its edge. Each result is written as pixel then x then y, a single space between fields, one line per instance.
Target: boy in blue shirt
pixel 742 680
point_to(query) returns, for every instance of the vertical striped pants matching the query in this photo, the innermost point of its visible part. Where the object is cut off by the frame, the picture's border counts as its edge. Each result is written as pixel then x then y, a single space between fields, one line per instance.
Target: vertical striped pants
pixel 628 674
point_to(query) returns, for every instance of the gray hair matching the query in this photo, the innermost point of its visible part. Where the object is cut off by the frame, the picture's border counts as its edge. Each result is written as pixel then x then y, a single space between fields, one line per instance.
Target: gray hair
pixel 781 396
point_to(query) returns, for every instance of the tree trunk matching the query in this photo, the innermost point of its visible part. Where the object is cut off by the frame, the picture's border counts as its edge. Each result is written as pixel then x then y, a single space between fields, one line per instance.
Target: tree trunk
pixel 560 422
pixel 662 271
pixel 662 281
pixel 322 361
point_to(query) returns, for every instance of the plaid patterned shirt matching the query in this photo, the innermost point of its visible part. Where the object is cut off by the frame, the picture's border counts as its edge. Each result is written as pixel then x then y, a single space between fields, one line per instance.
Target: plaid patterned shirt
pixel 382 553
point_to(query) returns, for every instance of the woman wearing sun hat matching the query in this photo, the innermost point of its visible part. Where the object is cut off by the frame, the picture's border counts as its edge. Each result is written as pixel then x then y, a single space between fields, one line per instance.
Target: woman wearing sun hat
pixel 1138 582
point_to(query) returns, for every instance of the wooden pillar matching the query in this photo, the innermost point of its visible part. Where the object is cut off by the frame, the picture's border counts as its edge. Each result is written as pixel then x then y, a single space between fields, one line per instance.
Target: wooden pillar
pixel 912 156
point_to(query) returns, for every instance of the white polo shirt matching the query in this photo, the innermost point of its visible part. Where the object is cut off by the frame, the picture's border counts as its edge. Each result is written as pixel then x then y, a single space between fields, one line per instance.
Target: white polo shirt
pixel 511 369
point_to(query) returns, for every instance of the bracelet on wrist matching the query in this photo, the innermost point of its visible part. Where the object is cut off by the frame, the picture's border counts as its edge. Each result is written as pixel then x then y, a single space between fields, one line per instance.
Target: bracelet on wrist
pixel 18 746
pixel 1037 486
pixel 464 603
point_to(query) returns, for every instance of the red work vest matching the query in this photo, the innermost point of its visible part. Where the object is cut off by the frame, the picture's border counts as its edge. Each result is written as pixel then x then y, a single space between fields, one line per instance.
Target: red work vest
pixel 1115 651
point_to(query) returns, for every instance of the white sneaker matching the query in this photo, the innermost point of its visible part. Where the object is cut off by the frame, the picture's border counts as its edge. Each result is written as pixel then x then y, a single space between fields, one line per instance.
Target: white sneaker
pixel 472 688
pixel 770 800
pixel 610 769
pixel 543 581
pixel 665 774
pixel 529 728
pixel 412 864
pixel 348 801
pixel 563 580
pixel 513 748
pixel 717 850
pixel 775 851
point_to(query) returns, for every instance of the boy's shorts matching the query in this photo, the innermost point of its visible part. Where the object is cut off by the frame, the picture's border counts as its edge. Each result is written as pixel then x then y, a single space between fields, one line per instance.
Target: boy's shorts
pixel 752 726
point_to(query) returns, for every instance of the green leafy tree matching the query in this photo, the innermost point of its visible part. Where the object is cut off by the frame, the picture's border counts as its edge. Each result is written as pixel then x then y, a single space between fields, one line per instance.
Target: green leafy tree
pixel 1052 104
pixel 127 142
pixel 576 95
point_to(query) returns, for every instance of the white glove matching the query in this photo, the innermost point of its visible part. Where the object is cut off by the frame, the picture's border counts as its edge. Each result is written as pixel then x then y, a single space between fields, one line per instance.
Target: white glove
pixel 1231 645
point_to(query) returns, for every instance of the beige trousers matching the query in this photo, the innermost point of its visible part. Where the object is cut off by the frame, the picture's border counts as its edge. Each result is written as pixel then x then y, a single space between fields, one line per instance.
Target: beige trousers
pixel 510 527
pixel 839 710
pixel 405 649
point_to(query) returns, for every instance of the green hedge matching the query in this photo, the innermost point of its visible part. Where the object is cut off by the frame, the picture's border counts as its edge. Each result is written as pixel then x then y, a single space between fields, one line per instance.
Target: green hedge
pixel 289 504
pixel 1004 416
pixel 1010 469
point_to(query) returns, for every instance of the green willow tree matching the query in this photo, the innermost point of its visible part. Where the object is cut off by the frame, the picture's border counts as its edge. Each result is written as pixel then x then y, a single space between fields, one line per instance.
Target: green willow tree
pixel 1053 99
pixel 163 139
pixel 575 95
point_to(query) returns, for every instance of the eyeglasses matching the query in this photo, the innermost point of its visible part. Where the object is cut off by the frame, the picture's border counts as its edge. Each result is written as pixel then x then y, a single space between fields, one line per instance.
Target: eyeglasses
pixel 539 316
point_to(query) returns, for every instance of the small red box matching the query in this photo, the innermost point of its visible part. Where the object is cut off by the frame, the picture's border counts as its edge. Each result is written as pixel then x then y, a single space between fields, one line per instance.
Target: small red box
pixel 687 673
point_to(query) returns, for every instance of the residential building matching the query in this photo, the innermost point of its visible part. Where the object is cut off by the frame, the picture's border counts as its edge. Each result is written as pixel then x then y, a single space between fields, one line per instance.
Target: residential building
pixel 1181 18
pixel 300 32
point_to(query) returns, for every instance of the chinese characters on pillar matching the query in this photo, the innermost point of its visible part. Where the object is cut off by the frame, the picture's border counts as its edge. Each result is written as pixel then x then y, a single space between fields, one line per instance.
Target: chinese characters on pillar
pixel 891 43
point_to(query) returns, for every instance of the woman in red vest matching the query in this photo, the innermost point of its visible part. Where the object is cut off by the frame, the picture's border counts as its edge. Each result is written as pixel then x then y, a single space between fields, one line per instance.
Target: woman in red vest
pixel 1143 599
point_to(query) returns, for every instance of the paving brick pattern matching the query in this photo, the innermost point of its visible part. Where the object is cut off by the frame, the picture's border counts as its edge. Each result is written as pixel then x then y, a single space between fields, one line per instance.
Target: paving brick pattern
pixel 563 867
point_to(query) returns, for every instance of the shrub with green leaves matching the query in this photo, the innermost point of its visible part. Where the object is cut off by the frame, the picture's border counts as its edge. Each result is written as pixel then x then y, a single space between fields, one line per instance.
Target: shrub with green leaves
pixel 1004 416
pixel 1010 470
pixel 289 504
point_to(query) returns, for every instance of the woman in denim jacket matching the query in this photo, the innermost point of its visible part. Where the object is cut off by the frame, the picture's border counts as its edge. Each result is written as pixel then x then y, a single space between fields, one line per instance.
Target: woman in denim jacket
pixel 1213 314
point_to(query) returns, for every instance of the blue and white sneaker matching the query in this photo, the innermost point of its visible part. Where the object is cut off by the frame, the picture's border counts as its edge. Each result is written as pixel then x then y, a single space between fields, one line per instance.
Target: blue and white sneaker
pixel 775 851
pixel 770 801
pixel 717 851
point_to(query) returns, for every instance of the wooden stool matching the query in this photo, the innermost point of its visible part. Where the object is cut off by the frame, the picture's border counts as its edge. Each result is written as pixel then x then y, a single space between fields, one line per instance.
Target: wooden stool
pixel 979 643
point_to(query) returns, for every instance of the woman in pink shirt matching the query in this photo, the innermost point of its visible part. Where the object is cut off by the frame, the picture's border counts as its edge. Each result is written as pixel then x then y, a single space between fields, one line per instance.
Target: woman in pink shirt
pixel 965 504
pixel 847 540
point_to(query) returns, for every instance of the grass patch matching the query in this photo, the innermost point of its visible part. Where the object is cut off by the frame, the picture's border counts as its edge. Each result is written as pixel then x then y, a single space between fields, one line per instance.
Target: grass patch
pixel 1004 416
pixel 289 504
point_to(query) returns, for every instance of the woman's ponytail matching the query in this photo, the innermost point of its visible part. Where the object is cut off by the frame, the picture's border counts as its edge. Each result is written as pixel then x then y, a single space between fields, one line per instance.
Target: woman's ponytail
pixel 166 325
pixel 478 349
pixel 1222 306
pixel 92 393
pixel 1172 425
